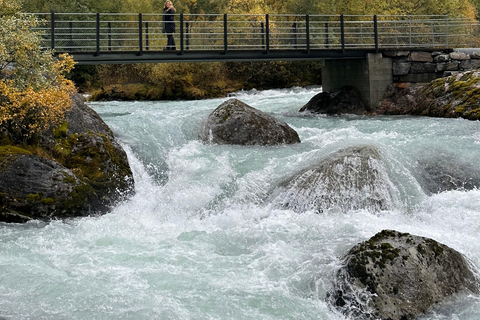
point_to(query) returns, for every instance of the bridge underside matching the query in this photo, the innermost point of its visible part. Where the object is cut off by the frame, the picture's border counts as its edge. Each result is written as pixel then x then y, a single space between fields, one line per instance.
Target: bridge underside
pixel 118 57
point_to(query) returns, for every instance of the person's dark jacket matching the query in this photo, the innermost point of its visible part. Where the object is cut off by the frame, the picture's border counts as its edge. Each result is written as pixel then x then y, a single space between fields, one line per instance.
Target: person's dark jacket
pixel 168 21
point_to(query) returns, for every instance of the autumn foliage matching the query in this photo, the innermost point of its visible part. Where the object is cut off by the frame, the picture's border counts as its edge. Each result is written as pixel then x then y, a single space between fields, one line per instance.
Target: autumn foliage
pixel 34 92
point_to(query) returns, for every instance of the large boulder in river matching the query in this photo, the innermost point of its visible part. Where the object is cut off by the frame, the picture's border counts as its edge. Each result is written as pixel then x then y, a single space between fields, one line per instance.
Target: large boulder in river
pixel 399 276
pixel 234 122
pixel 77 169
pixel 346 100
pixel 350 179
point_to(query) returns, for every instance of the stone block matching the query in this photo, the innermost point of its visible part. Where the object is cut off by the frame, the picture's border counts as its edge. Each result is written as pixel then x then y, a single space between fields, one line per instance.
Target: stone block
pixel 441 66
pixel 452 66
pixel 475 55
pixel 441 58
pixel 465 65
pixel 459 56
pixel 420 67
pixel 475 63
pixel 421 56
pixel 401 68
pixel 395 53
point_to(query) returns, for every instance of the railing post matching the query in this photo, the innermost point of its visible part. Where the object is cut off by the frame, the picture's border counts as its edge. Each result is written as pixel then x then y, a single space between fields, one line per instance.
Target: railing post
pixel 98 34
pixel 342 32
pixel 140 36
pixel 181 33
pixel 307 32
pixel 52 30
pixel 375 31
pixel 267 33
pixel 225 34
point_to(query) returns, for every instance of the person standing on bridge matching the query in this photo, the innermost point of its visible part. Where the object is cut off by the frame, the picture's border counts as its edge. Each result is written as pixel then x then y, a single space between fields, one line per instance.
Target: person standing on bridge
pixel 169 24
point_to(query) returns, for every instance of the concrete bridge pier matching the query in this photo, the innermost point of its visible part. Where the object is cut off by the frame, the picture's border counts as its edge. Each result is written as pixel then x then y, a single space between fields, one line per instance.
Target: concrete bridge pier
pixel 371 76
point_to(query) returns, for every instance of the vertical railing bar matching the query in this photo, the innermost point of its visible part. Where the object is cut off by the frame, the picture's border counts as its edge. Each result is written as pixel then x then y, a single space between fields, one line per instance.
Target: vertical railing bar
pixel 447 34
pixel 471 35
pixel 109 25
pixel 327 40
pixel 410 32
pixel 140 36
pixel 187 27
pixel 70 35
pixel 147 44
pixel 225 34
pixel 262 27
pixel 52 30
pixel 98 34
pixel 375 31
pixel 342 31
pixel 267 33
pixel 181 34
pixel 307 32
pixel 294 32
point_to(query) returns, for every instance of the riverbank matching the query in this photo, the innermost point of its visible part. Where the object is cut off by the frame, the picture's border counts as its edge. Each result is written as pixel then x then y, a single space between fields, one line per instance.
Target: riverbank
pixel 191 81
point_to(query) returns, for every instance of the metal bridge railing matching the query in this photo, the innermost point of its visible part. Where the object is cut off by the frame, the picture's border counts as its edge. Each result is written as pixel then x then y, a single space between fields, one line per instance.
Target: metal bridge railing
pixel 107 32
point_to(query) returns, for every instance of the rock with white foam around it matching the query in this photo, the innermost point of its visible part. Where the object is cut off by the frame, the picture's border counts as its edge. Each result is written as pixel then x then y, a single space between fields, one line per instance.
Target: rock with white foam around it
pixel 399 276
pixel 235 122
pixel 354 178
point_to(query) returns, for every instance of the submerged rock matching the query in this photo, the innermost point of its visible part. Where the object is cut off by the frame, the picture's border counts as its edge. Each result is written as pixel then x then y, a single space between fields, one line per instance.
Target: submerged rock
pixel 443 172
pixel 399 276
pixel 350 179
pixel 234 122
pixel 343 101
pixel 90 175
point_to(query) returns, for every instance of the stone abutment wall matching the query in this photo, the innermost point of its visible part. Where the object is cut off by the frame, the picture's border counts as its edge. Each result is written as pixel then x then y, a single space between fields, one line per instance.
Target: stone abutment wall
pixel 425 66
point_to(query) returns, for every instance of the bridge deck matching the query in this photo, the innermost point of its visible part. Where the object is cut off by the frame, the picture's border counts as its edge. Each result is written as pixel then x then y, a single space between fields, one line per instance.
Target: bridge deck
pixel 132 38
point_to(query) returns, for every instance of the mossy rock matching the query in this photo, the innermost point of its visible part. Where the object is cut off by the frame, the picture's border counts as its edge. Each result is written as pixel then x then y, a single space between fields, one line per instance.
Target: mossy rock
pixel 78 169
pixel 399 276
pixel 451 97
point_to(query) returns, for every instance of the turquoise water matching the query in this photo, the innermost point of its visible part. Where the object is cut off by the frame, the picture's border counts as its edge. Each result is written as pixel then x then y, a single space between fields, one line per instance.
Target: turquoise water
pixel 199 239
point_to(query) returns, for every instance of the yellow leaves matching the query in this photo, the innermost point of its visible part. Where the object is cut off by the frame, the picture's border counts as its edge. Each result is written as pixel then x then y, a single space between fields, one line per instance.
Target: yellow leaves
pixel 8 7
pixel 34 92
pixel 30 111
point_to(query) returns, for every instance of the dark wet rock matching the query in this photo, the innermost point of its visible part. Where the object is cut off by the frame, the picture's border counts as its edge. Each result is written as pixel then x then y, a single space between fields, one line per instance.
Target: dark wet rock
pixel 400 99
pixel 346 100
pixel 235 122
pixel 350 179
pixel 81 170
pixel 399 276
pixel 443 172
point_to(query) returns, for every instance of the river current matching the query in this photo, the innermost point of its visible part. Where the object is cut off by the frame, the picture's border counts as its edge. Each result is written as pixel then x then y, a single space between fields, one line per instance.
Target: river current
pixel 199 239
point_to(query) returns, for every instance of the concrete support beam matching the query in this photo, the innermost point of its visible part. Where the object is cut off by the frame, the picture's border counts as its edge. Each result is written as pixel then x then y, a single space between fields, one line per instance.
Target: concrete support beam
pixel 371 76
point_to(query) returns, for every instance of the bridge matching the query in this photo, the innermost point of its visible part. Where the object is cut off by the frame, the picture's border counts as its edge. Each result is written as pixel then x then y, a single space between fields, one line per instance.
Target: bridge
pixel 352 44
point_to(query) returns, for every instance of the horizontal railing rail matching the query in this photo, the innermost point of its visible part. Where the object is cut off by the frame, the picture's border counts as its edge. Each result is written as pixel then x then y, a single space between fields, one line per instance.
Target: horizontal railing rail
pixel 98 33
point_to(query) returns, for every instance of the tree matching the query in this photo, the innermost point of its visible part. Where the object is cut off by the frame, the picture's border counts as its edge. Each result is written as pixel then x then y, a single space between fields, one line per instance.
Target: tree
pixel 34 92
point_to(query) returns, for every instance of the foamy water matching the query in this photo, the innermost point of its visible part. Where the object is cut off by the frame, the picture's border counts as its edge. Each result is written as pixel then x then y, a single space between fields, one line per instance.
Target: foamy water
pixel 199 239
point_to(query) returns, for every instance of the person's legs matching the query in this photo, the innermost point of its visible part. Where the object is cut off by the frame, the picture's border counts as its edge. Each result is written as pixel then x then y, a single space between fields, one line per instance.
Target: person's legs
pixel 170 42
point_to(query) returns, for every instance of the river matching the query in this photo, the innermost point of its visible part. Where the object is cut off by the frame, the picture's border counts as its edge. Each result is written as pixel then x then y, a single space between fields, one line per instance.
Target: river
pixel 199 239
